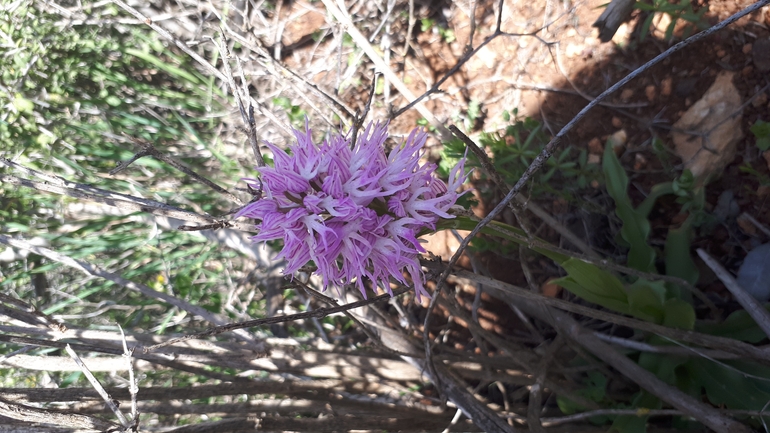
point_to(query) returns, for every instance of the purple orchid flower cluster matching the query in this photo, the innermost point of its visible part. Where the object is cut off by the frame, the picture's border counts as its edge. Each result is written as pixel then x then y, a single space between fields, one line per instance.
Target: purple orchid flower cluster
pixel 354 212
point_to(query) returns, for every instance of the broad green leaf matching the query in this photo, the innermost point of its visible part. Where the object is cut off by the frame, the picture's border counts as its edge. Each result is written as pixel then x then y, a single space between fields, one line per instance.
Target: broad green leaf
pixel 594 285
pixel 679 262
pixel 635 228
pixel 646 300
pixel 678 314
pixel 726 385
pixel 738 325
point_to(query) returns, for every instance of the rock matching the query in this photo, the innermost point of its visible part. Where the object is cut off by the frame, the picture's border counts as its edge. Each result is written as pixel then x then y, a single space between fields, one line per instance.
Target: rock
pixel 616 122
pixel 649 92
pixel 623 35
pixel 611 21
pixel 746 48
pixel 626 94
pixel 760 52
pixel 640 162
pixel 618 141
pixel 754 273
pixel 595 146
pixel 550 289
pixel 747 71
pixel 714 126
pixel 666 86
pixel 660 23
pixel 572 50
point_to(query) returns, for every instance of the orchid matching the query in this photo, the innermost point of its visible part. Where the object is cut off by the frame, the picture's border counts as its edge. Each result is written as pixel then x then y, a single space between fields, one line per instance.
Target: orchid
pixel 355 212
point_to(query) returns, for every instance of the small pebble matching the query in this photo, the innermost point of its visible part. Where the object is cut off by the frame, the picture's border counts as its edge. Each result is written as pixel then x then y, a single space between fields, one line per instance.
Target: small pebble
pixel 640 161
pixel 666 86
pixel 747 71
pixel 649 92
pixel 595 146
pixel 626 94
pixel 616 122
pixel 746 48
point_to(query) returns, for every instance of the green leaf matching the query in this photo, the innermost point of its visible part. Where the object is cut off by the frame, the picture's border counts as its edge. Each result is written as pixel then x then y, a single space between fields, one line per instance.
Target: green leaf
pixel 646 300
pixel 727 386
pixel 679 314
pixel 679 262
pixel 656 192
pixel 594 285
pixel 738 325
pixel 636 228
pixel 763 143
pixel 760 129
pixel 22 104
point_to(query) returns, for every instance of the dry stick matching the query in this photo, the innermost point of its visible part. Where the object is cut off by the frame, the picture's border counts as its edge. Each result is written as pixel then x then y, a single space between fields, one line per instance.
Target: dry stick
pixel 409 28
pixel 339 107
pixel 705 414
pixel 568 327
pixel 669 350
pixel 36 415
pixel 364 44
pixel 318 313
pixel 165 34
pixel 549 149
pixel 97 386
pixel 163 359
pixel 748 302
pixel 756 223
pixel 26 313
pixel 358 119
pixel 514 353
pixel 149 150
pixel 481 414
pixel 247 119
pixel 761 354
pixel 534 404
pixel 365 329
pixel 125 202
pixel 96 271
pixel 133 384
pixel 554 421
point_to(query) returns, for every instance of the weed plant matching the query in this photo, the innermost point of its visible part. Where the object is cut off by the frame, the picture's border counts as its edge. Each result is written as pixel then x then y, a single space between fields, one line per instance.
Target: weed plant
pixel 79 100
